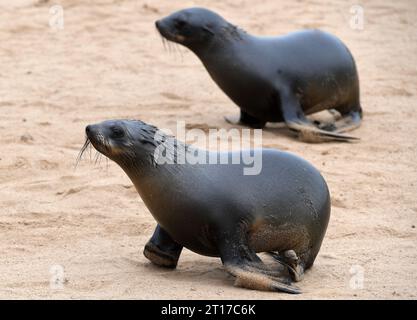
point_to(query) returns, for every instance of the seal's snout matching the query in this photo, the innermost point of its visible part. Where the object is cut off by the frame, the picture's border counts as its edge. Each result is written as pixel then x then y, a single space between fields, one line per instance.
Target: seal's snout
pixel 98 139
pixel 91 131
pixel 168 29
pixel 163 28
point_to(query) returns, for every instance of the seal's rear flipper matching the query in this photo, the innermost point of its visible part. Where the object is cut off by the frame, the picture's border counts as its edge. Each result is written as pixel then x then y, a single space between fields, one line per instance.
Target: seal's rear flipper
pixel 249 270
pixel 295 119
pixel 349 121
pixel 252 279
pixel 309 133
pixel 291 261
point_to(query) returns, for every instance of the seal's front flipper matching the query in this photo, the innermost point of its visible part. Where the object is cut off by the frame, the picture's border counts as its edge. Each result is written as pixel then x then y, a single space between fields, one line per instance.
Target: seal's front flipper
pixel 295 119
pixel 249 270
pixel 245 120
pixel 162 250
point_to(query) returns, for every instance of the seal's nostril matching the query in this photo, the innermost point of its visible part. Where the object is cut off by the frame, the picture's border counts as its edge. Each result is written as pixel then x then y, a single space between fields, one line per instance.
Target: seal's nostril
pixel 157 23
pixel 87 129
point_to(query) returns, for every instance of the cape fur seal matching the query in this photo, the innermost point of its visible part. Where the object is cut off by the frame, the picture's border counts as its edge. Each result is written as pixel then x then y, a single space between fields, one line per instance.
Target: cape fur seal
pixel 275 79
pixel 216 210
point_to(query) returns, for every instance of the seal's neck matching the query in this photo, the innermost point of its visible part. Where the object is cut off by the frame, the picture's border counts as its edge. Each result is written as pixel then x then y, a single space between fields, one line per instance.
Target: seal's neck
pixel 154 169
pixel 159 155
pixel 222 39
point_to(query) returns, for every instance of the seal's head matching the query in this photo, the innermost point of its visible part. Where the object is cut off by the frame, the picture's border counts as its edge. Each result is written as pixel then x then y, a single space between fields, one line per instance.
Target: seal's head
pixel 127 142
pixel 193 28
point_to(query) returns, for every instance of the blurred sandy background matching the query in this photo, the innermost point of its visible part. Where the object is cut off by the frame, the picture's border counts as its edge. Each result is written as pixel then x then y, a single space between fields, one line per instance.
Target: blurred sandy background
pixel 109 62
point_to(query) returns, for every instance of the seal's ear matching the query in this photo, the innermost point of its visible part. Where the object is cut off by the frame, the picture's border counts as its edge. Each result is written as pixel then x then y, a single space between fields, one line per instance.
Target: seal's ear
pixel 207 28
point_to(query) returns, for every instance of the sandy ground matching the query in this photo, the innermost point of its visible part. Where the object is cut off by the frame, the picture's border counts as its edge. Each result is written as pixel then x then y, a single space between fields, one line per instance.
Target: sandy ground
pixel 108 62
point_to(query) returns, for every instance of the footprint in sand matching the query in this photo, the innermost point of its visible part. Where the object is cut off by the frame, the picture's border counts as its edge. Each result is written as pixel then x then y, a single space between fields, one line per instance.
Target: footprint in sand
pixel 47 165
pixel 202 126
pixel 339 203
pixel 26 138
pixel 70 191
pixel 146 7
pixel 20 163
pixel 172 96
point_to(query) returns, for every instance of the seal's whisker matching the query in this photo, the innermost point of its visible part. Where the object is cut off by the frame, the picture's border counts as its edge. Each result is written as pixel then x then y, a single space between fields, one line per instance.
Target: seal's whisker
pixel 170 47
pixel 83 148
pixel 175 47
pixel 164 43
pixel 89 151
pixel 179 51
pixel 97 157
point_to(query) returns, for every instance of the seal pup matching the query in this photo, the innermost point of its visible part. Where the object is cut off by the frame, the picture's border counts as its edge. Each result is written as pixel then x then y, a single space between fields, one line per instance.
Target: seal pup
pixel 216 210
pixel 274 79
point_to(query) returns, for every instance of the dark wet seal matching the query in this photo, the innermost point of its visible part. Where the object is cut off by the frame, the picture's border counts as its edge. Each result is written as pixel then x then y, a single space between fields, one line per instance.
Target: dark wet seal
pixel 216 210
pixel 274 79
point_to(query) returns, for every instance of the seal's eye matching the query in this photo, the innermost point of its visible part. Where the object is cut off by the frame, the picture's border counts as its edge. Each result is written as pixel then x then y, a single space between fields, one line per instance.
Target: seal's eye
pixel 117 132
pixel 179 24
